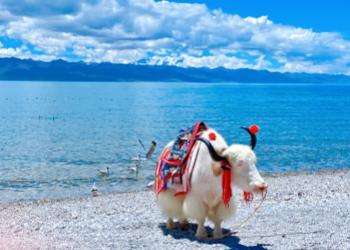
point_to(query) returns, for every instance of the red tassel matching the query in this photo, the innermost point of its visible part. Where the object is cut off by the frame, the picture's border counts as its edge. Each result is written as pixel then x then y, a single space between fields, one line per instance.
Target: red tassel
pixel 226 187
pixel 248 196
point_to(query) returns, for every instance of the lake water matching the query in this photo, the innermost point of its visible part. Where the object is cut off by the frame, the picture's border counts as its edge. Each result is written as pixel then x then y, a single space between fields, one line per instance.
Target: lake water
pixel 53 136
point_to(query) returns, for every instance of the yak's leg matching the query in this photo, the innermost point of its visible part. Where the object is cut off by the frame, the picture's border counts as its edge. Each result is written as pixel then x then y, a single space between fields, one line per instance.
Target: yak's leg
pixel 170 224
pixel 214 216
pixel 217 229
pixel 219 213
pixel 194 208
pixel 171 206
pixel 183 224
pixel 201 233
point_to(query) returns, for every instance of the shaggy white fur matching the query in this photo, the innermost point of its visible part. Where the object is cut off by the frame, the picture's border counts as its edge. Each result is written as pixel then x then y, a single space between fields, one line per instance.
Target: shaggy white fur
pixel 204 201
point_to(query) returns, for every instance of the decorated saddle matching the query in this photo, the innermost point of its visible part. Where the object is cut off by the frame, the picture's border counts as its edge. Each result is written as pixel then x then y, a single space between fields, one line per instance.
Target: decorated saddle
pixel 173 162
pixel 174 168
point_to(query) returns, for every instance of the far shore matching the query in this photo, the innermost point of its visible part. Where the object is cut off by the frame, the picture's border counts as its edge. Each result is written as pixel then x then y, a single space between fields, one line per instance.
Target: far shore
pixel 303 210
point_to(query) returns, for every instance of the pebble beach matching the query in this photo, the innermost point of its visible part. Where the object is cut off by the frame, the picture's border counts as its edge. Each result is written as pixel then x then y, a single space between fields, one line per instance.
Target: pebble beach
pixel 303 210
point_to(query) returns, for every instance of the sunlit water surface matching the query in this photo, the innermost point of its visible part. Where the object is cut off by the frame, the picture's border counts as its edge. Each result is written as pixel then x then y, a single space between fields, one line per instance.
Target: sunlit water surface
pixel 53 136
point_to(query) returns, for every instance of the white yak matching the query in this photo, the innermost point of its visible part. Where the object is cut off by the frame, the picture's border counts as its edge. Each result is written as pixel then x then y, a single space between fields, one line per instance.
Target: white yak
pixel 204 199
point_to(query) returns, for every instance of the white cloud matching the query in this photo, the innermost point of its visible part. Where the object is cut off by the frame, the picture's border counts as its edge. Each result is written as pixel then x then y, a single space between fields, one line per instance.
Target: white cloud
pixel 189 35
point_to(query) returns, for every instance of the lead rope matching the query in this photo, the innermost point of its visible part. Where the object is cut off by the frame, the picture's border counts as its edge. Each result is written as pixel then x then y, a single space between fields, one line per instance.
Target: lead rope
pixel 243 223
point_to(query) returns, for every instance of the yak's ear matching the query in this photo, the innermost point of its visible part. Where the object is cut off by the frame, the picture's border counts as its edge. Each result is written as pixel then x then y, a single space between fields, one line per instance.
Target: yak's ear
pixel 216 168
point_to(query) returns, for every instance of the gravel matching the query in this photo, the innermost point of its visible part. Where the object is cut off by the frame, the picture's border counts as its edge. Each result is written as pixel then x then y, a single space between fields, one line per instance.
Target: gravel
pixel 302 211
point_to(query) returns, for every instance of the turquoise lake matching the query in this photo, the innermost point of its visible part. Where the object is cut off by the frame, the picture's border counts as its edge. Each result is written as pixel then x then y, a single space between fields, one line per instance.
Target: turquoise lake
pixel 53 136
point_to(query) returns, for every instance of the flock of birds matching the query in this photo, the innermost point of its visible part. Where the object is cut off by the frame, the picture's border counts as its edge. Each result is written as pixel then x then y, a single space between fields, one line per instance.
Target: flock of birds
pixel 137 163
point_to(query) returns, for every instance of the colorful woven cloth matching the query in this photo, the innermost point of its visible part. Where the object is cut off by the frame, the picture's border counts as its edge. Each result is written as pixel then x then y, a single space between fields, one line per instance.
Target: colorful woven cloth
pixel 172 164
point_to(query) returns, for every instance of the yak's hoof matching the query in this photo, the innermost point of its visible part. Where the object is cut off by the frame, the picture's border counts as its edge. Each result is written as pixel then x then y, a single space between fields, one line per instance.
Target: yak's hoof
pixel 170 224
pixel 201 236
pixel 218 234
pixel 184 225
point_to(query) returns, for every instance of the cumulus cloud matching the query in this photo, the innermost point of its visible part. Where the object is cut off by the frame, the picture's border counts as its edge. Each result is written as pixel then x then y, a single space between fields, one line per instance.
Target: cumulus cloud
pixel 42 7
pixel 161 32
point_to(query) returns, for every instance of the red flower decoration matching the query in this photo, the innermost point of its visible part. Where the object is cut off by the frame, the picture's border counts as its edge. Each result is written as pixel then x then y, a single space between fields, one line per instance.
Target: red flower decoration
pixel 212 136
pixel 254 129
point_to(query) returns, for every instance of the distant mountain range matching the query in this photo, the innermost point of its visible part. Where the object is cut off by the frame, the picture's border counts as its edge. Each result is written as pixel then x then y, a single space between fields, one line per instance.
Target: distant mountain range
pixel 59 70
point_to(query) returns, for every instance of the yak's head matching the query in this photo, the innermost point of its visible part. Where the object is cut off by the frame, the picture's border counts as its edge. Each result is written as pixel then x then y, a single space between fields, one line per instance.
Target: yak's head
pixel 243 163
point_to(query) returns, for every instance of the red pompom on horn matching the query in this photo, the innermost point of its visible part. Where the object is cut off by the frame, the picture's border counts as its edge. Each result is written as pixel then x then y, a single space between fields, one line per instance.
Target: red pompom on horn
pixel 254 129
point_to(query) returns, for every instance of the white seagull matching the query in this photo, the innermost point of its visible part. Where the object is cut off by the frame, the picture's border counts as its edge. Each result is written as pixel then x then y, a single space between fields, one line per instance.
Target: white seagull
pixel 104 172
pixel 94 190
pixel 151 150
pixel 138 161
pixel 150 184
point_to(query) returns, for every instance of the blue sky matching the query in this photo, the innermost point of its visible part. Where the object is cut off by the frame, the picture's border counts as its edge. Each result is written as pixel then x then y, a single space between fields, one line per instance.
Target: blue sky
pixel 320 15
pixel 285 36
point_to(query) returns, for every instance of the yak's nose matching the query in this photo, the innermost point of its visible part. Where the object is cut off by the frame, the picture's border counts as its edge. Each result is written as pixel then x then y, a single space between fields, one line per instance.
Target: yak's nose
pixel 260 188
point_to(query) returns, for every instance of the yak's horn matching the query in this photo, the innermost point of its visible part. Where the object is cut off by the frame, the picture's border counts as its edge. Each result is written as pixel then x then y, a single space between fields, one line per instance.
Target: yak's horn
pixel 252 130
pixel 214 155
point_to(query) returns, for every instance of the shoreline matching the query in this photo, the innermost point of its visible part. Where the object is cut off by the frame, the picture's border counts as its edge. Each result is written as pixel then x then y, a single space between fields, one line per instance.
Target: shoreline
pixel 308 209
pixel 264 174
